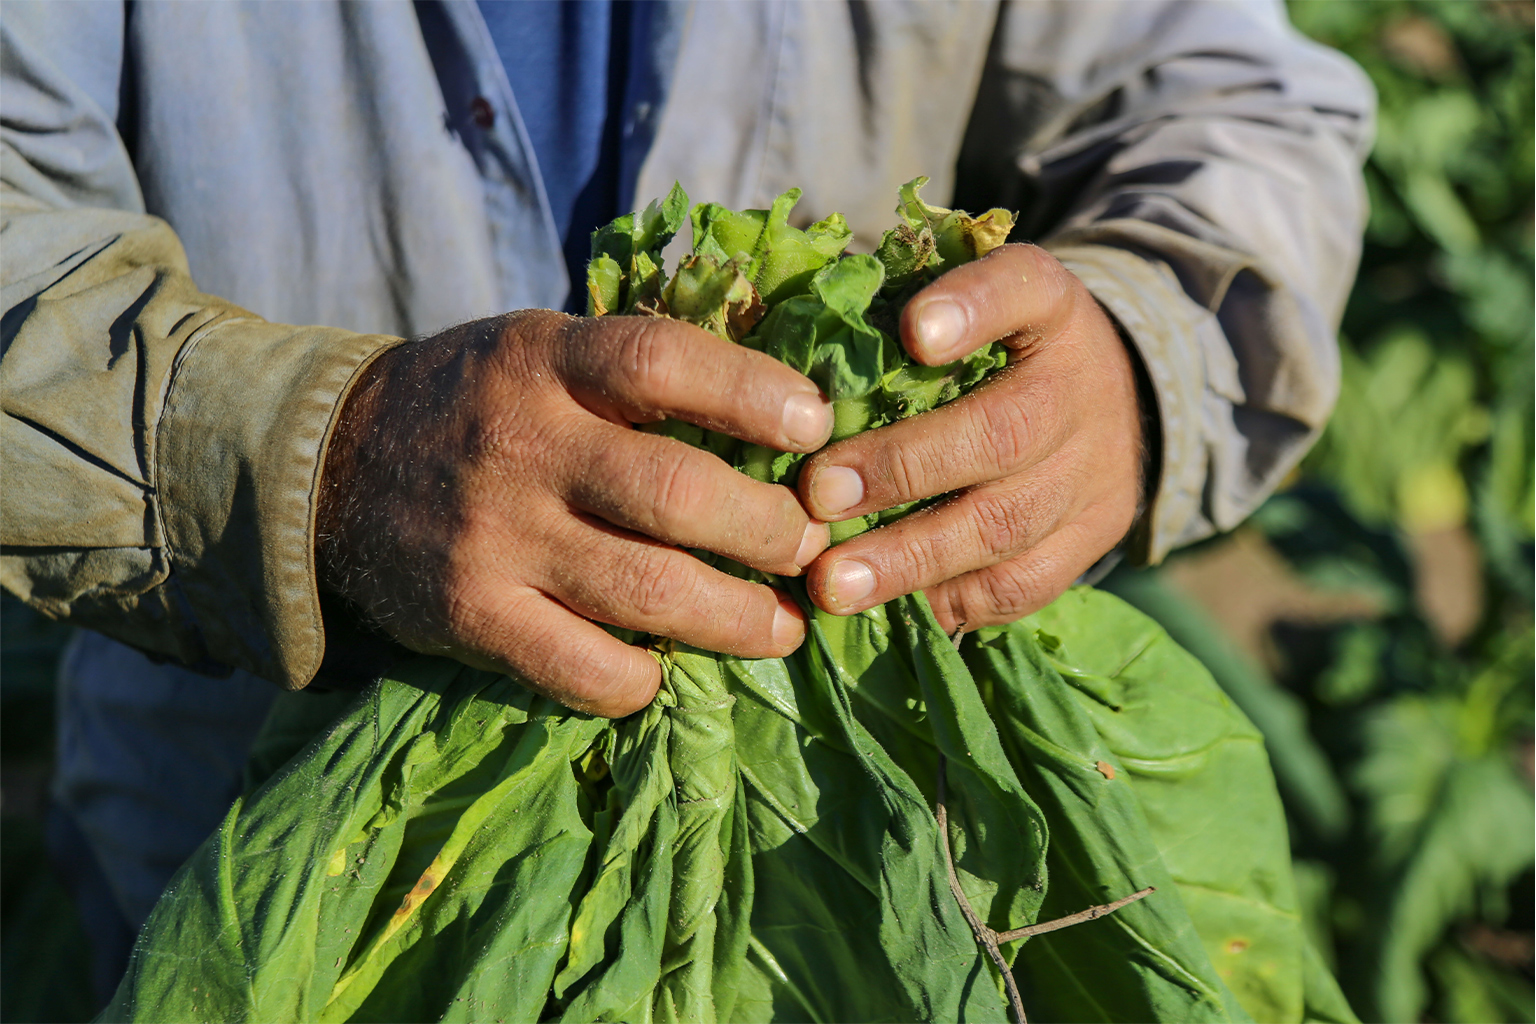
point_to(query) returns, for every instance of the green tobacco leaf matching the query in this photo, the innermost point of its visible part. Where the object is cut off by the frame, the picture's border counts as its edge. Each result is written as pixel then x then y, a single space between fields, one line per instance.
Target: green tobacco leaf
pixel 625 272
pixel 911 388
pixel 825 336
pixel 839 760
pixel 1449 825
pixel 373 877
pixel 781 259
pixel 904 252
pixel 1146 961
pixel 717 297
pixel 758 843
pixel 664 921
pixel 1472 990
pixel 1304 774
pixel 325 876
pixel 605 286
pixel 1191 781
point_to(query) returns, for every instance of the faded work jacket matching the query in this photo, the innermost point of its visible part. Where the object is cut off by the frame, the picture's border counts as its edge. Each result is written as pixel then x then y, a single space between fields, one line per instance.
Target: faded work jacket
pixel 184 183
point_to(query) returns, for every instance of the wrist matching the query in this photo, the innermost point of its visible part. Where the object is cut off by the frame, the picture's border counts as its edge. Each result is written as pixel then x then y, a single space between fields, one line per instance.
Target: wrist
pixel 338 499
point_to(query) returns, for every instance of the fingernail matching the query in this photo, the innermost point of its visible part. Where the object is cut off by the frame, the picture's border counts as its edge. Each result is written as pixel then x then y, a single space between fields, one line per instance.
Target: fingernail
pixel 817 537
pixel 851 582
pixel 837 489
pixel 941 328
pixel 786 627
pixel 807 420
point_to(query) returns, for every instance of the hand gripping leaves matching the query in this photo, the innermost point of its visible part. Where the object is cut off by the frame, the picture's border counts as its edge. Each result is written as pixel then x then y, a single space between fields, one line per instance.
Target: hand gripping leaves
pixel 825 837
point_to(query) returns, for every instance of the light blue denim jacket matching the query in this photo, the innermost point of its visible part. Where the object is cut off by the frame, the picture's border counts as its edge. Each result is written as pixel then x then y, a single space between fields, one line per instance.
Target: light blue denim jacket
pixel 361 167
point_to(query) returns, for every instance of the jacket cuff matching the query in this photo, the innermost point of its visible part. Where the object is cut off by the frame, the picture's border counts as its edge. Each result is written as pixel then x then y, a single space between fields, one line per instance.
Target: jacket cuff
pixel 1173 337
pixel 239 450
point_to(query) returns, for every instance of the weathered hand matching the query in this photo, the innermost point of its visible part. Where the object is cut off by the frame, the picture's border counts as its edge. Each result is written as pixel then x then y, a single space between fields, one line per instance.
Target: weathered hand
pixel 1045 456
pixel 485 496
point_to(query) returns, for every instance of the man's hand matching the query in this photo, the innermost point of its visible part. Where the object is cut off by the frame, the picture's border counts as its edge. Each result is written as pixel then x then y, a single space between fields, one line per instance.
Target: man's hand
pixel 484 497
pixel 1046 455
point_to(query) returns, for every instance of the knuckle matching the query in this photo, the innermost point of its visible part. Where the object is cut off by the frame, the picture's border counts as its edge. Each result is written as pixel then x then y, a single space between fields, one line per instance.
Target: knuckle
pixel 1004 434
pixel 1061 287
pixel 659 588
pixel 922 558
pixel 1006 426
pixel 1053 290
pixel 1005 592
pixel 748 621
pixel 1038 415
pixel 540 322
pixel 1002 528
pixel 648 361
pixel 536 337
pixel 1041 264
pixel 908 471
pixel 680 496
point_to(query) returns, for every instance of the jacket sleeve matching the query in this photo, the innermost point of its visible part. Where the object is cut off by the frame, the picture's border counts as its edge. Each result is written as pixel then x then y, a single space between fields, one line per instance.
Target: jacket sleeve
pixel 1198 166
pixel 162 447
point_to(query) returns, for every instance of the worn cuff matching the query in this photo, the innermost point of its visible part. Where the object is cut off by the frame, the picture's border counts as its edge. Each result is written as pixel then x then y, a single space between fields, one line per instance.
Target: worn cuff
pixel 240 447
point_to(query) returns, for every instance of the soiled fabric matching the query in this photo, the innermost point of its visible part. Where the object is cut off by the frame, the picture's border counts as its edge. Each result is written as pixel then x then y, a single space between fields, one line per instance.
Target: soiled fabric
pixel 183 182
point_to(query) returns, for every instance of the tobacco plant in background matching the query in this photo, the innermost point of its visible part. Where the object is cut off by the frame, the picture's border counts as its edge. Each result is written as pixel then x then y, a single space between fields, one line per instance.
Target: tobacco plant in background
pixel 1402 741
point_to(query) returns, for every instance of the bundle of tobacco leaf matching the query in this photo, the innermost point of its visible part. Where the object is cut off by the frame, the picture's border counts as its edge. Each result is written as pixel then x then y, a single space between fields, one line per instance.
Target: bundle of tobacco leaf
pixel 882 826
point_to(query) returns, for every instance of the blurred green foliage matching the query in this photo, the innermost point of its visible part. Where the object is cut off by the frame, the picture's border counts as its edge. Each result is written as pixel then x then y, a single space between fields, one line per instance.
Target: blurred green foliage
pixel 1404 755
pixel 1436 410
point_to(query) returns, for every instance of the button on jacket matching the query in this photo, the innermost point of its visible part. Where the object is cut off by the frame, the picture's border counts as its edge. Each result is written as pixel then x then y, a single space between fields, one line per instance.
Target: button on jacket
pixel 185 183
